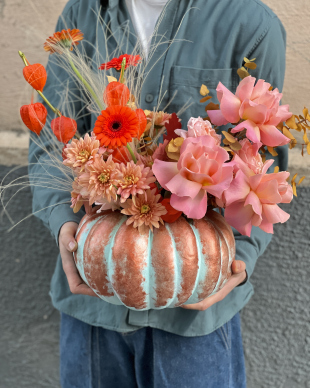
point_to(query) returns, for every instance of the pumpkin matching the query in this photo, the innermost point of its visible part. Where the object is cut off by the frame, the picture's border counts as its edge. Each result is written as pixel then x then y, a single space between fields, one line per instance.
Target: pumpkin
pixel 179 263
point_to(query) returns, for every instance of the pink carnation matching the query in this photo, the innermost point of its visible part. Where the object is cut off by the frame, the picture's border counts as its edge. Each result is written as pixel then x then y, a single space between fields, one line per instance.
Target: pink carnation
pixel 133 179
pixel 199 127
pixel 258 106
pixel 201 169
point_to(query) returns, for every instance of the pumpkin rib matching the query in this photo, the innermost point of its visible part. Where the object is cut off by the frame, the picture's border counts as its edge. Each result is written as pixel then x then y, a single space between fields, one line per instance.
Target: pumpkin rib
pixel 200 262
pixel 129 262
pixel 162 237
pixel 94 253
pixel 188 269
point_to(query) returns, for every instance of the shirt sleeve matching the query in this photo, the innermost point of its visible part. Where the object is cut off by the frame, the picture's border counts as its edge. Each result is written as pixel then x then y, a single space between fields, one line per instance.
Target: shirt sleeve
pixel 269 51
pixel 49 180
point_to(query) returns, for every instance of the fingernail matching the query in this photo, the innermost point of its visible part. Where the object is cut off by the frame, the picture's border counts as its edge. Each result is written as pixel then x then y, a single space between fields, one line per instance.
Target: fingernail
pixel 71 245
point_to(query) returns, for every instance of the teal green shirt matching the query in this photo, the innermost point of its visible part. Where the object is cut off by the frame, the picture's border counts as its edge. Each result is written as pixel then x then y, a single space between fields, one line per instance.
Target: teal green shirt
pixel 211 38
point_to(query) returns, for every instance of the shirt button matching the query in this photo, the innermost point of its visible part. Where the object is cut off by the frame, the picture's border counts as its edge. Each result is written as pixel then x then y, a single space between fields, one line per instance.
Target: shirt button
pixel 149 98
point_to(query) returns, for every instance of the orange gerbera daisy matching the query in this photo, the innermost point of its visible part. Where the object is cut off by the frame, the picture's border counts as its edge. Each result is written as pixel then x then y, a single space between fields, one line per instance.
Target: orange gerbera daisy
pixel 64 39
pixel 116 126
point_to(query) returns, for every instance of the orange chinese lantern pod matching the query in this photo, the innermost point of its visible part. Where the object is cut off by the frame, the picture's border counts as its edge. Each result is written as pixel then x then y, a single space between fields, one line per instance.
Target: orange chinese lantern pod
pixel 116 93
pixel 36 76
pixel 172 214
pixel 121 155
pixel 34 116
pixel 64 128
pixel 142 121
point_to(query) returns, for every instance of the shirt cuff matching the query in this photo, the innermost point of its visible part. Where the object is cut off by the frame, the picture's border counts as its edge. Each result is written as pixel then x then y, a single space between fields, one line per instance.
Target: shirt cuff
pixel 60 215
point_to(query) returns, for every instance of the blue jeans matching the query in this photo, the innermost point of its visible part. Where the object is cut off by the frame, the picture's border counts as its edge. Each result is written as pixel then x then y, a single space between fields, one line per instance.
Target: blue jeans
pixel 93 357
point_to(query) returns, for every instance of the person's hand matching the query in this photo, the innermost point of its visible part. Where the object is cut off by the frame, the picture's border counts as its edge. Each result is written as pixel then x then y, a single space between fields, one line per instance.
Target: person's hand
pixel 67 245
pixel 238 276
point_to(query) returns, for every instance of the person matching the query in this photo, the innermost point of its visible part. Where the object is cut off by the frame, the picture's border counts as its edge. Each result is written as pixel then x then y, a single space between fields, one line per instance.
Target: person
pixel 200 345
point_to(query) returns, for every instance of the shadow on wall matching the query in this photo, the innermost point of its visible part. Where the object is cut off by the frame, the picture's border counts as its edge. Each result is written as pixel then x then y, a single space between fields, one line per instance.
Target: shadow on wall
pixel 276 322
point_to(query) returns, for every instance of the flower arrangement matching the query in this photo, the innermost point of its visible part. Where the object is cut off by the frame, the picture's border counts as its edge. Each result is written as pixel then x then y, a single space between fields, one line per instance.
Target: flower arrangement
pixel 154 169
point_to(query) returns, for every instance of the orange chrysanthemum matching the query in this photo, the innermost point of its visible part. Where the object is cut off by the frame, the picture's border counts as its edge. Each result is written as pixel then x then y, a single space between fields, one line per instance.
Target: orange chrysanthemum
pixel 116 63
pixel 116 126
pixel 64 39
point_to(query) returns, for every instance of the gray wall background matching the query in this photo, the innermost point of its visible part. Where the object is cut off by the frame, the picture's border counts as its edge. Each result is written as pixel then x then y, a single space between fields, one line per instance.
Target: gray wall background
pixel 276 322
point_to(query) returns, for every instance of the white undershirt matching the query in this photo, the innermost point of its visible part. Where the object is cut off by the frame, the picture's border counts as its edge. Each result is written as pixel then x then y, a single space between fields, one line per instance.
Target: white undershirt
pixel 144 15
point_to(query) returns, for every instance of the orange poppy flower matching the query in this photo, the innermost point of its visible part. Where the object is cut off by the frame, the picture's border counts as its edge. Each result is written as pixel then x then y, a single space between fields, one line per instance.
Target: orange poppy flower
pixel 172 214
pixel 64 39
pixel 34 116
pixel 116 63
pixel 142 121
pixel 64 128
pixel 116 126
pixel 36 76
pixel 116 93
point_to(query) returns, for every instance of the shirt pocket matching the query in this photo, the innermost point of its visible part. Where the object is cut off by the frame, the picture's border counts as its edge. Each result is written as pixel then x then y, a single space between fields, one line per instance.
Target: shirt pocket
pixel 184 88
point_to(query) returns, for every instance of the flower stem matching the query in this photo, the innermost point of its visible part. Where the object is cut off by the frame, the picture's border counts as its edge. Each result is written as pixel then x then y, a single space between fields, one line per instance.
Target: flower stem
pixel 121 79
pixel 86 84
pixel 131 153
pixel 26 63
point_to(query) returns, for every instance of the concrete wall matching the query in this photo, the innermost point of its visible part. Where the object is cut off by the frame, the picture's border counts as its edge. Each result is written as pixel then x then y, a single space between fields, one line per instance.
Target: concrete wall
pixel 276 322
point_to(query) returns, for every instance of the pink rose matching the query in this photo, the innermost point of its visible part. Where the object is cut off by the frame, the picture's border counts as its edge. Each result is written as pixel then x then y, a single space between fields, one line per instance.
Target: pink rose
pixel 201 169
pixel 199 127
pixel 257 106
pixel 252 198
pixel 250 156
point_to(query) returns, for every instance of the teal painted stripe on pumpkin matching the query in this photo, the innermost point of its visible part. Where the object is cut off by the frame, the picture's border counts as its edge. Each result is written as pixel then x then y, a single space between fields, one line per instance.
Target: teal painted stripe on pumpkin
pixel 80 250
pixel 149 274
pixel 216 288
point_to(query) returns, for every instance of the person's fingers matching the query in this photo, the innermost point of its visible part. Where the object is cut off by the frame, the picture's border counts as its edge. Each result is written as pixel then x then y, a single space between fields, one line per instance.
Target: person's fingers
pixel 66 235
pixel 231 283
pixel 76 284
pixel 67 245
pixel 238 266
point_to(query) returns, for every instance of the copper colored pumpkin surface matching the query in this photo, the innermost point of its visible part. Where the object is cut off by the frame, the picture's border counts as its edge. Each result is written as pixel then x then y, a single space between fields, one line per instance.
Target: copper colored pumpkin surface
pixel 181 262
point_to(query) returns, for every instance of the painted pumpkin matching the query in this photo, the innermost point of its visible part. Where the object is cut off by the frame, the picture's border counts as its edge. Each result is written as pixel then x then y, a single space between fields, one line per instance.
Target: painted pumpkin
pixel 182 262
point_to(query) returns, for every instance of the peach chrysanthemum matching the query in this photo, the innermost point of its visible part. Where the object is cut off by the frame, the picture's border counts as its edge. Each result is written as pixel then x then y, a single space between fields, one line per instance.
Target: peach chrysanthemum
pixel 64 39
pixel 158 119
pixel 147 160
pixel 145 211
pixel 77 199
pixel 81 152
pixel 99 180
pixel 133 179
